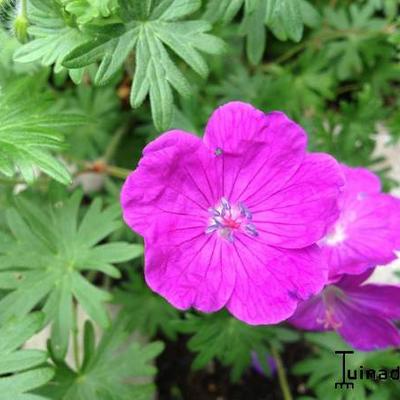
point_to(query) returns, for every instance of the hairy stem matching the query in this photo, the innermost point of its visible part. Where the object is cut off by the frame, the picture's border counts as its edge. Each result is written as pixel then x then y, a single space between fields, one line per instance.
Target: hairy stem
pixel 24 8
pixel 75 343
pixel 283 382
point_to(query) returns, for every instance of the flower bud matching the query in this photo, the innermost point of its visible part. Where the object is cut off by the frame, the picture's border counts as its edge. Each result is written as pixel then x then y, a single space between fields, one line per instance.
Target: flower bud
pixel 21 24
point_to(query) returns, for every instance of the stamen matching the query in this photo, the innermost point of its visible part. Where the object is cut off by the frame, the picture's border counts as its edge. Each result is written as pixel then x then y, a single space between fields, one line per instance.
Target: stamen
pixel 212 228
pixel 244 211
pixel 230 220
pixel 214 212
pixel 330 321
pixel 251 229
pixel 225 203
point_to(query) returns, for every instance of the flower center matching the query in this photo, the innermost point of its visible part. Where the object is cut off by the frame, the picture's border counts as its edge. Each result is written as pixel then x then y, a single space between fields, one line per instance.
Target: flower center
pixel 228 220
pixel 330 295
pixel 330 321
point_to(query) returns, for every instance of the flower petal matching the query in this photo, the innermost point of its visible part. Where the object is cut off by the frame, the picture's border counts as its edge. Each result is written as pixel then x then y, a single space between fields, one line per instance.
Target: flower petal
pixel 175 183
pixel 370 235
pixel 235 125
pixel 270 282
pixel 197 273
pixel 383 300
pixel 360 180
pixel 347 282
pixel 310 314
pixel 365 330
pixel 300 213
pixel 258 152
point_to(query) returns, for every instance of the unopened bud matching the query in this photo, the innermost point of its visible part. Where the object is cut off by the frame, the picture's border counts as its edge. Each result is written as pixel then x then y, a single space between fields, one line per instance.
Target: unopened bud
pixel 21 24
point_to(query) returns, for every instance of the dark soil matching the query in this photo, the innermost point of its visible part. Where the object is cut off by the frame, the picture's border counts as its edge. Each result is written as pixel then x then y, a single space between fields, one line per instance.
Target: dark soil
pixel 176 380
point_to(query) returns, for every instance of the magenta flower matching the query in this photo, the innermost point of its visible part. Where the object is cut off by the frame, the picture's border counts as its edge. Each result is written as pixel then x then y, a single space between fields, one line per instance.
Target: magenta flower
pixel 361 313
pixel 232 220
pixel 368 229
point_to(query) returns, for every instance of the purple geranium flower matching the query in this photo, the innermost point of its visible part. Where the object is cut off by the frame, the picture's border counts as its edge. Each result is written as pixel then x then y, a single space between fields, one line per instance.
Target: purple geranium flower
pixel 232 220
pixel 368 230
pixel 360 313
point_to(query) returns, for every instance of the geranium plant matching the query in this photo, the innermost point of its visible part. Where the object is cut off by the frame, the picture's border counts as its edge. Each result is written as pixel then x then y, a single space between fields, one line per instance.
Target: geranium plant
pixel 198 198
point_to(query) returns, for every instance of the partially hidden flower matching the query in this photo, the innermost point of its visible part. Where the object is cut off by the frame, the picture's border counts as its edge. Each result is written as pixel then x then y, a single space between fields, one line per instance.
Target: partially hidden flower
pixel 367 232
pixel 269 361
pixel 362 313
pixel 232 220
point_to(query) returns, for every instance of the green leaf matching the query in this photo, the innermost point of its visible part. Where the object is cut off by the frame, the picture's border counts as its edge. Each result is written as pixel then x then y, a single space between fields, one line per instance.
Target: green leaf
pixel 12 335
pixel 254 30
pixel 155 30
pixel 310 15
pixel 113 370
pixel 323 367
pixel 17 385
pixel 51 247
pixel 229 340
pixel 86 11
pixel 291 17
pixel 53 37
pixel 144 310
pixel 30 131
pixel 224 10
pixel 348 55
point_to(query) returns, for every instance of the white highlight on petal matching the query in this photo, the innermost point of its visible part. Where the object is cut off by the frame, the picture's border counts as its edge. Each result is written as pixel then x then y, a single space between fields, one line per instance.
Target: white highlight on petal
pixel 336 236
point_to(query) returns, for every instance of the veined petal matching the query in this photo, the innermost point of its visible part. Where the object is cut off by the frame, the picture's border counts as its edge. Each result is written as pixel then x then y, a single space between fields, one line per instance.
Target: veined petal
pixel 300 213
pixel 368 235
pixel 235 125
pixel 270 282
pixel 175 183
pixel 310 314
pixel 347 282
pixel 365 330
pixel 258 152
pixel 196 273
pixel 382 300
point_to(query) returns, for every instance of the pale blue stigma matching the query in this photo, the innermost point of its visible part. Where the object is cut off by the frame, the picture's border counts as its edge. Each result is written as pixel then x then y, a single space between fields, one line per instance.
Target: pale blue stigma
pixel 229 220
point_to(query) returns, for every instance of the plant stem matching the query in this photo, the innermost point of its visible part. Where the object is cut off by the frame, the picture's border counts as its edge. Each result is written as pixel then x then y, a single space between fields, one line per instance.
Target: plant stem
pixel 11 181
pixel 75 343
pixel 114 142
pixel 117 172
pixel 24 8
pixel 283 382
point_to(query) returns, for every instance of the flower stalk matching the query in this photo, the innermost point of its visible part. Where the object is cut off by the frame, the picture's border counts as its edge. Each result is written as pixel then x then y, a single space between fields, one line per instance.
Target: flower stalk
pixel 283 382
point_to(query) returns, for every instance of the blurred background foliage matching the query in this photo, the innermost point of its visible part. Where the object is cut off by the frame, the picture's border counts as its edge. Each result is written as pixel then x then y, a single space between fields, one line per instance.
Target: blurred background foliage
pixel 84 85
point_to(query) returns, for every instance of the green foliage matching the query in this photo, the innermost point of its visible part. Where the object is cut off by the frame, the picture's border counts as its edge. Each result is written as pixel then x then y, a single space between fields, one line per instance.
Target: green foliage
pixel 230 341
pixel 150 32
pixel 66 98
pixel 101 107
pixel 357 122
pixel 114 369
pixel 29 131
pixel 355 39
pixel 54 35
pixel 145 311
pixel 324 368
pixel 26 366
pixel 284 18
pixel 44 254
pixel 86 11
